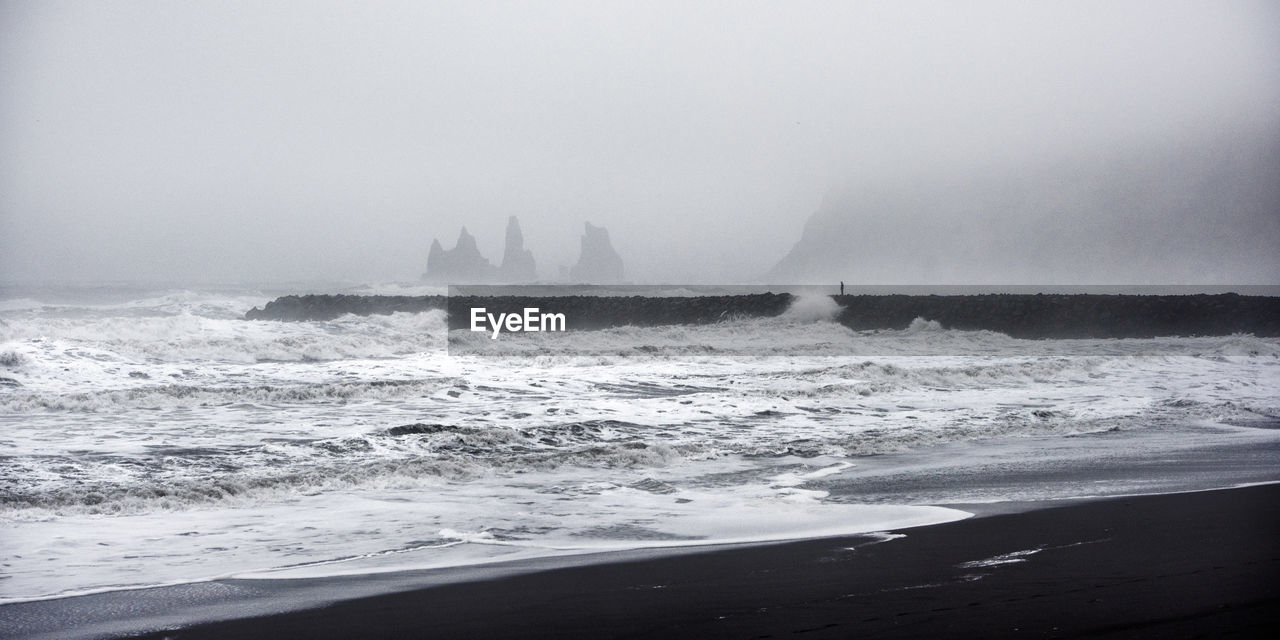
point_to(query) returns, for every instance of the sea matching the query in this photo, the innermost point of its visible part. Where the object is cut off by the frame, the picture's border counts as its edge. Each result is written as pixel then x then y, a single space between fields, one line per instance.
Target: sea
pixel 151 436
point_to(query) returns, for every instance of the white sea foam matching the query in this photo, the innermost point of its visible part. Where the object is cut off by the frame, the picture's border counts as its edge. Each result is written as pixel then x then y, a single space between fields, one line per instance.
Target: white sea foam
pixel 1005 558
pixel 921 324
pixel 245 446
pixel 194 338
pixel 812 307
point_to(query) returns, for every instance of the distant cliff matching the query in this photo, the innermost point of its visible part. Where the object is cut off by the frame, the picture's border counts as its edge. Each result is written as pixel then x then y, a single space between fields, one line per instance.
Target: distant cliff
pixel 1202 212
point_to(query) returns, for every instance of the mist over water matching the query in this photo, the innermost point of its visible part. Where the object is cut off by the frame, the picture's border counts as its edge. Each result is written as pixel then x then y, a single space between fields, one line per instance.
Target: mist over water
pixel 990 142
pixel 1198 210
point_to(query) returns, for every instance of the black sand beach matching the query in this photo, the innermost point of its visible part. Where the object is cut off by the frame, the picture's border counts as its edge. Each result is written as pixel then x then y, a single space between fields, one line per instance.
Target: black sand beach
pixel 1203 564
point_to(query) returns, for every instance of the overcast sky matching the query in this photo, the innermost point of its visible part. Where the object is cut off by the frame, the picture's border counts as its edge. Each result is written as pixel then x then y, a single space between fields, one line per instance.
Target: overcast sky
pixel 272 141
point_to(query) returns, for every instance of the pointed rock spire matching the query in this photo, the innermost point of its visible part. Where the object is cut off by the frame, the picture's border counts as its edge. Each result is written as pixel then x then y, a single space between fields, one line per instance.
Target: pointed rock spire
pixel 517 262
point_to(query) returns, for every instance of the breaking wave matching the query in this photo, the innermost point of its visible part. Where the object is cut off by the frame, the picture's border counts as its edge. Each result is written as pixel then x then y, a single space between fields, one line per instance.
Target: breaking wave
pixel 812 307
pixel 187 337
pixel 175 478
pixel 175 395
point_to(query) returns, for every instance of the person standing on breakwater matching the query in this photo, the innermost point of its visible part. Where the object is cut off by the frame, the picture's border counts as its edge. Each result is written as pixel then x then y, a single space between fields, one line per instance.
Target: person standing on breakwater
pixel 842 287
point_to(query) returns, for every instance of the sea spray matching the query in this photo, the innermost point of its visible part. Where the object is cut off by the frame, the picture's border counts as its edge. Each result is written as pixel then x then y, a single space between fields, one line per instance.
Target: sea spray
pixel 921 325
pixel 813 307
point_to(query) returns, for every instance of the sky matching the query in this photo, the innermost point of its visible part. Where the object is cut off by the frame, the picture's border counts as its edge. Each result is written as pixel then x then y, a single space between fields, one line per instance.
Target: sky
pixel 308 141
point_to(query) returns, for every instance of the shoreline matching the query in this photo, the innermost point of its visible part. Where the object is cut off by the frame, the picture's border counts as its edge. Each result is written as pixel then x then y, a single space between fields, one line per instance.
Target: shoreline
pixel 1058 481
pixel 1147 566
pixel 1159 565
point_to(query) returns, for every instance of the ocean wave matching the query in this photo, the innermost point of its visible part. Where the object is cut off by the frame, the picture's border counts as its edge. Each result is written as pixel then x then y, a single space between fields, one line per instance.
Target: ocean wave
pixel 876 377
pixel 20 304
pixel 107 303
pixel 173 395
pixel 172 479
pixel 175 480
pixel 188 337
pixel 812 308
pixel 138 487
pixel 1240 344
pixel 11 359
pixel 919 325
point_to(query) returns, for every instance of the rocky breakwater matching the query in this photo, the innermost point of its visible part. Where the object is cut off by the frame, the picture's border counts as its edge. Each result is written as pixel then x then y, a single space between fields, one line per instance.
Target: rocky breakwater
pixel 327 307
pixel 1071 315
pixel 1019 316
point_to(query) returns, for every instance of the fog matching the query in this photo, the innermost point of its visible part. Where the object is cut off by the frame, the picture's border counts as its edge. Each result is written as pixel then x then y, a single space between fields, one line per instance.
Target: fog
pixel 310 141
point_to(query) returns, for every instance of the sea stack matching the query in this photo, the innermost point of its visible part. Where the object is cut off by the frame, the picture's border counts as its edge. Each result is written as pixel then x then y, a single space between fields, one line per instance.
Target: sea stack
pixel 599 263
pixel 517 262
pixel 462 265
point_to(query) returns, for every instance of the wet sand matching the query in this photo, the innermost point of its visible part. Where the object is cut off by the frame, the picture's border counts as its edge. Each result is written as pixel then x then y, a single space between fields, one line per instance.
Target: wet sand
pixel 1166 566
